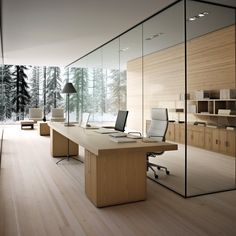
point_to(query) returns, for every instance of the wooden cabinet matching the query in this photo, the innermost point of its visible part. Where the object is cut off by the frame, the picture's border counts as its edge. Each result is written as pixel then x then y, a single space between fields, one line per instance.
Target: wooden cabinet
pixel 195 136
pixel 223 141
pixel 219 140
pixel 208 139
pixel 170 133
pixel 180 133
pixel 230 142
pixel 212 139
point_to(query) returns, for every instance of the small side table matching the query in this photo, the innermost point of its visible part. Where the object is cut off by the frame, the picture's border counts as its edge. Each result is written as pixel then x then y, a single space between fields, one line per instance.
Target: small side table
pixel 43 128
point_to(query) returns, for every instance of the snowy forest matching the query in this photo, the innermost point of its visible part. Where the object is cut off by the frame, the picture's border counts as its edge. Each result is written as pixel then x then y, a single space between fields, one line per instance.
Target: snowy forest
pixel 101 92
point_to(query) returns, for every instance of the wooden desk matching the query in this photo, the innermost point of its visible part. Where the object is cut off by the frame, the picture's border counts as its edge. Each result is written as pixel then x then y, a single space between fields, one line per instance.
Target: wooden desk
pixel 115 173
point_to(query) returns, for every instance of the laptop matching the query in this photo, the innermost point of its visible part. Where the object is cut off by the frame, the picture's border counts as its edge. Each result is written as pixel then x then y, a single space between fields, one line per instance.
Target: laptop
pixel 84 120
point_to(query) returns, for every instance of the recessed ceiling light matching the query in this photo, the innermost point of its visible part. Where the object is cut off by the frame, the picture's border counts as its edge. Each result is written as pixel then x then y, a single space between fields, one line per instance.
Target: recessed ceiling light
pixel 124 49
pixel 154 36
pixel 192 18
pixel 200 15
pixel 203 14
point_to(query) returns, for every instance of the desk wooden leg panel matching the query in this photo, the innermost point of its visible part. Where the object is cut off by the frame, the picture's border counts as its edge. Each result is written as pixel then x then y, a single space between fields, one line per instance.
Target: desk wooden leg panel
pixel 115 177
pixel 59 145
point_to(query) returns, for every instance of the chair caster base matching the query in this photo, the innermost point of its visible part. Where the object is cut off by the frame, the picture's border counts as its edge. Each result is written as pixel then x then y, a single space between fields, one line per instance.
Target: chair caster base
pixel 156 176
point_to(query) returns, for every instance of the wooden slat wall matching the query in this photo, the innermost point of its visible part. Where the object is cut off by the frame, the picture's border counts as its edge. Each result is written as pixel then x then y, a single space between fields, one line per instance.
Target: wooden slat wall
pixel 211 66
pixel 211 61
pixel 134 94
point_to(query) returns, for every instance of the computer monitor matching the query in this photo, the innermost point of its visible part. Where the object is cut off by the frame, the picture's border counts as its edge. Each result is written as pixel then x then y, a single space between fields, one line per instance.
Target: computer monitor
pixel 121 120
pixel 85 119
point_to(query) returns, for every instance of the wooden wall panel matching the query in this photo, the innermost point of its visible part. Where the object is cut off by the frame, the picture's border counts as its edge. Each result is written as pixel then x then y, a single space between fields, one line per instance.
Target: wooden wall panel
pixel 211 61
pixel 134 94
pixel 211 66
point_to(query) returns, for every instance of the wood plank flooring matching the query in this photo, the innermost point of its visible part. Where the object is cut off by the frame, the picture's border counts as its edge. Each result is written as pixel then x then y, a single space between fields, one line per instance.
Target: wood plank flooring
pixel 38 197
pixel 207 171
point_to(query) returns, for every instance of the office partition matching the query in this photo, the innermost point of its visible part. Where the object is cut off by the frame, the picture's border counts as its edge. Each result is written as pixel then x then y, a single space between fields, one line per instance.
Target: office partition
pixel 211 102
pixel 163 82
pixel 182 58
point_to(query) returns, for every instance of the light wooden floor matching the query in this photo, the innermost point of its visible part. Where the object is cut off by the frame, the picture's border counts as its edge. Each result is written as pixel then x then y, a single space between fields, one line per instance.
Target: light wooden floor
pixel 207 171
pixel 37 197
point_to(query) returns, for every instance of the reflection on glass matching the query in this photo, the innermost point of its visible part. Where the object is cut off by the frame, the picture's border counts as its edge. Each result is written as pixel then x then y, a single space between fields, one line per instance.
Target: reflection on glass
pixel 211 105
pixel 100 84
pixel 145 68
pixel 164 81
pixel 131 66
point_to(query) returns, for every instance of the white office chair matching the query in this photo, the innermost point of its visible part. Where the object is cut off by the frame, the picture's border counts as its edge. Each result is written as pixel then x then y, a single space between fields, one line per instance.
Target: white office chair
pixel 157 130
pixel 58 115
pixel 36 114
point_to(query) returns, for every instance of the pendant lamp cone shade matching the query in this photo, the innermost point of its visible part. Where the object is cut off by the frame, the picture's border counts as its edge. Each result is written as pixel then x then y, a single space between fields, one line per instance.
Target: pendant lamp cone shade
pixel 68 88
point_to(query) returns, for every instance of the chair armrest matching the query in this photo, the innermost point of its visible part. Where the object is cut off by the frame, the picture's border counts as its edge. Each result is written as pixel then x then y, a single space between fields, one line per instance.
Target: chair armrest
pixel 109 127
pixel 133 132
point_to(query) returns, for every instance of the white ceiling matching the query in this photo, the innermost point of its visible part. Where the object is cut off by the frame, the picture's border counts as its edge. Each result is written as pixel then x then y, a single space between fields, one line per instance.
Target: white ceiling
pixel 56 32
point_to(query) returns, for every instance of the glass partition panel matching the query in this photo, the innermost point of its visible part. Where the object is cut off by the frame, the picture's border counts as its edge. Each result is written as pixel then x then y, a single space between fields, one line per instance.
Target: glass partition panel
pixel 146 67
pixel 87 76
pixel 1 87
pixel 2 107
pixel 78 75
pixel 111 85
pixel 211 104
pixel 2 103
pixel 131 68
pixel 163 87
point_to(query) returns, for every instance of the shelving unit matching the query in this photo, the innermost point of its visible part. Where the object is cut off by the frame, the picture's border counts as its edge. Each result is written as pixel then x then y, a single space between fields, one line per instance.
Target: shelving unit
pixel 210 107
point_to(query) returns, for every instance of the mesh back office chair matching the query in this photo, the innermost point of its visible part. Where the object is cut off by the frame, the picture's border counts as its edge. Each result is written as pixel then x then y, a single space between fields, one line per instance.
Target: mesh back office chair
pixel 120 121
pixel 157 130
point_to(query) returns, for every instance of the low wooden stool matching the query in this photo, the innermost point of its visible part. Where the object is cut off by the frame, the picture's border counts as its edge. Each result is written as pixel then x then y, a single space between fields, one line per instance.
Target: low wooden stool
pixel 27 123
pixel 43 128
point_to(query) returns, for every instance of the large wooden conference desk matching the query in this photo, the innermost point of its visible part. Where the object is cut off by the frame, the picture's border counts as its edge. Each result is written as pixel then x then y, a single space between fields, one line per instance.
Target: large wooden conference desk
pixel 115 173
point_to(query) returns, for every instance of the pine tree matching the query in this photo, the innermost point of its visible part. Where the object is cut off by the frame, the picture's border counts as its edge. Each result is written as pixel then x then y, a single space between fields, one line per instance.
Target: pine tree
pixel 117 87
pixel 34 90
pixel 54 98
pixel 123 90
pixel 79 101
pixel 44 92
pixel 98 91
pixel 7 92
pixel 21 96
pixel 2 108
pixel 114 87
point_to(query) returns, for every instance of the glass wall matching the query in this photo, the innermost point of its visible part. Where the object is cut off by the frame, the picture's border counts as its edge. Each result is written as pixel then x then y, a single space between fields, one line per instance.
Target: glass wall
pixel 211 104
pixel 1 98
pixel 25 87
pixel 131 51
pixel 182 59
pixel 164 81
pixel 100 84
